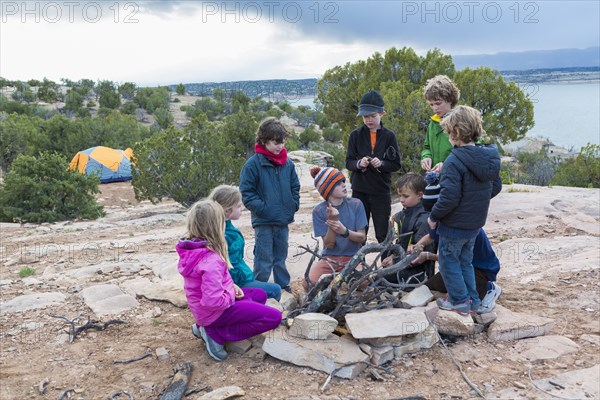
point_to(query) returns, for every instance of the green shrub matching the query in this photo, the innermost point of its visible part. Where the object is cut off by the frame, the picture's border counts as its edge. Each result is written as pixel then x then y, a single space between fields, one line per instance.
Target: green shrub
pixel 581 171
pixel 26 271
pixel 42 189
pixel 310 135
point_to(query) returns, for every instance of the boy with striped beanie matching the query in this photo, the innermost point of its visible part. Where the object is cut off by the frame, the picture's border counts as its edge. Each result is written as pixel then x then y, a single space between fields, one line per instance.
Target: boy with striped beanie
pixel 339 220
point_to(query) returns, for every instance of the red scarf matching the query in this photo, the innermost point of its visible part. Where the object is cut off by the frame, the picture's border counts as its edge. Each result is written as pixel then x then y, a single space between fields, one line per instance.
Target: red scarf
pixel 277 159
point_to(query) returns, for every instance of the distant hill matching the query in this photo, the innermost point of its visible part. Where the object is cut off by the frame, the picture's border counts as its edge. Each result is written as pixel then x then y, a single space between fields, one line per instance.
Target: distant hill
pixel 272 89
pixel 527 60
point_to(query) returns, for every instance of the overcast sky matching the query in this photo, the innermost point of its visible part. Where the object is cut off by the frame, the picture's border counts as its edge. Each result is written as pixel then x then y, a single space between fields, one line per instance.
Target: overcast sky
pixel 164 42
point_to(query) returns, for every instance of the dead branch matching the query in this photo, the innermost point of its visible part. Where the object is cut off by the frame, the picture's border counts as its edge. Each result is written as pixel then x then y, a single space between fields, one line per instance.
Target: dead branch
pixel 74 331
pixel 66 393
pixel 119 393
pixel 148 354
pixel 359 286
pixel 176 390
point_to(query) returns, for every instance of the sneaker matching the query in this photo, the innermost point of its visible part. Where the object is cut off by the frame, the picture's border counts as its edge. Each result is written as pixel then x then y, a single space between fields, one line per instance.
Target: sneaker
pixel 460 308
pixel 215 349
pixel 489 301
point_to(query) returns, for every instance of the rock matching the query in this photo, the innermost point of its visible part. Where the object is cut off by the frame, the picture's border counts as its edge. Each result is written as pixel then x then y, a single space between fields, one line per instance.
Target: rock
pixel 256 353
pixel 519 385
pixel 313 326
pixel 485 319
pixel 31 301
pixel 275 304
pixel 239 347
pixel 407 348
pixel 312 157
pixel 323 355
pixel 162 354
pixel 288 301
pixel 579 384
pixel 545 347
pixel 365 348
pixel 595 339
pixel 418 297
pixel 5 282
pixel 107 299
pixel 454 324
pixel 513 326
pixel 30 281
pixel 223 393
pixel 384 323
pixel 165 290
pixel 381 355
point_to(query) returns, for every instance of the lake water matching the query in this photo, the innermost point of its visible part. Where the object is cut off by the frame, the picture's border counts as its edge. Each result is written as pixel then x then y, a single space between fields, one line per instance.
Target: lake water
pixel 567 114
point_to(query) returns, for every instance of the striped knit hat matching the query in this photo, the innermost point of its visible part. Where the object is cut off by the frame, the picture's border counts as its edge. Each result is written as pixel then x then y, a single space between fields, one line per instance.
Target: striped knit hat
pixel 432 190
pixel 326 179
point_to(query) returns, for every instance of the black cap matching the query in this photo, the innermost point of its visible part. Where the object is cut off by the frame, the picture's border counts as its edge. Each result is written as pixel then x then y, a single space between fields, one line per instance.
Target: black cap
pixel 370 103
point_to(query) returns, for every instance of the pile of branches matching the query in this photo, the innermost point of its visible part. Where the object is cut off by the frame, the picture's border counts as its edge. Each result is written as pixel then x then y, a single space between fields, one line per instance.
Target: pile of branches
pixel 359 286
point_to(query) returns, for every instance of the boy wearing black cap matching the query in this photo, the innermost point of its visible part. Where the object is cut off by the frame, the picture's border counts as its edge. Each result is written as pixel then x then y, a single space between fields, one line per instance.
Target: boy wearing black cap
pixel 372 156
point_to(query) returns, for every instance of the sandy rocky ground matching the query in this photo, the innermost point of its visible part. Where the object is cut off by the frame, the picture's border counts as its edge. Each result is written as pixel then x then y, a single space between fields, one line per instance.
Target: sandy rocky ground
pixel 547 240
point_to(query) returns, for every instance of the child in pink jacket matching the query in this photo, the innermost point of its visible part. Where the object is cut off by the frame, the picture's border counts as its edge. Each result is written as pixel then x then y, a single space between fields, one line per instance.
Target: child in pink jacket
pixel 222 310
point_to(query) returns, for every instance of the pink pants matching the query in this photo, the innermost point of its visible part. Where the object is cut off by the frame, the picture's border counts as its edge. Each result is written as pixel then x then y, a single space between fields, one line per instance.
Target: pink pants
pixel 247 317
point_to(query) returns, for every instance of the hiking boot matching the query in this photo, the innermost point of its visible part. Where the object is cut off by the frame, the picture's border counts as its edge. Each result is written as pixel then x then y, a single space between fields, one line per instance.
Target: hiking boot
pixel 489 301
pixel 461 308
pixel 215 350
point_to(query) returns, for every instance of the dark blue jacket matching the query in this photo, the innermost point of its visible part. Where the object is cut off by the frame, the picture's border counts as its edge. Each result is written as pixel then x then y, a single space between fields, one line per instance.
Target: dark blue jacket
pixel 269 191
pixel 470 178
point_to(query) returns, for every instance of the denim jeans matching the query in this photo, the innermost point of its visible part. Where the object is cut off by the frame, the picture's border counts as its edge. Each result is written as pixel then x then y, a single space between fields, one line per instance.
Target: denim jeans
pixel 456 257
pixel 272 289
pixel 270 253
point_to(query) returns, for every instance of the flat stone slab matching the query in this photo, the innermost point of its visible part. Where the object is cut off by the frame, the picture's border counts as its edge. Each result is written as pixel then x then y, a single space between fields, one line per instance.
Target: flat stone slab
pixel 313 326
pixel 545 347
pixel 513 326
pixel 418 297
pixel 580 384
pixel 454 324
pixel 384 323
pixel 169 291
pixel 223 393
pixel 323 355
pixel 31 301
pixel 107 299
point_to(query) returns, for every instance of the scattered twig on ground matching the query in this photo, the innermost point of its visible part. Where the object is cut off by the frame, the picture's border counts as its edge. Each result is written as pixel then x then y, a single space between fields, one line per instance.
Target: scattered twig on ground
pixel 119 393
pixel 42 385
pixel 542 390
pixel 462 373
pixel 148 354
pixel 335 371
pixel 65 394
pixel 176 390
pixel 74 331
pixel 196 389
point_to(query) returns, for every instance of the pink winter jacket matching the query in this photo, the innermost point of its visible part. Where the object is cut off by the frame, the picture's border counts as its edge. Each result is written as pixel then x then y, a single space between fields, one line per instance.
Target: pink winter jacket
pixel 207 283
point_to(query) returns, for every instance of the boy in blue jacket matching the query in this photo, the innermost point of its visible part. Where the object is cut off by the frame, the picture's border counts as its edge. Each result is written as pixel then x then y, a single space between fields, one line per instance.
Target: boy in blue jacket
pixel 271 191
pixel 471 178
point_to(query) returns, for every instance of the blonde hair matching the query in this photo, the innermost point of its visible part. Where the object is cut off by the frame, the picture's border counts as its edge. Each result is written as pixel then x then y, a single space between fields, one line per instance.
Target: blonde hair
pixel 227 196
pixel 440 87
pixel 463 123
pixel 206 220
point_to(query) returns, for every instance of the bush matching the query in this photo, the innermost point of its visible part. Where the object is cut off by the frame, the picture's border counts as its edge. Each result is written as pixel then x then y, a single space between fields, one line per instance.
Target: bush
pixel 26 271
pixel 581 171
pixel 42 189
pixel 535 168
pixel 333 133
pixel 310 135
pixel 185 165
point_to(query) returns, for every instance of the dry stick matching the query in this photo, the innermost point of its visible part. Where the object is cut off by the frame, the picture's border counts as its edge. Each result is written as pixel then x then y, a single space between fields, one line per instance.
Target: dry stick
pixel 335 371
pixel 466 379
pixel 119 393
pixel 148 354
pixel 66 392
pixel 542 390
pixel 74 331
